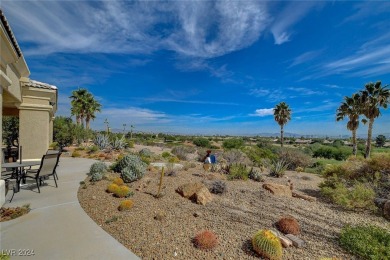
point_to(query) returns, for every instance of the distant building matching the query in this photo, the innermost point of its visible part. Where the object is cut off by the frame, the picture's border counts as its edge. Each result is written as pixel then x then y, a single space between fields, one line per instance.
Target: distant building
pixel 303 141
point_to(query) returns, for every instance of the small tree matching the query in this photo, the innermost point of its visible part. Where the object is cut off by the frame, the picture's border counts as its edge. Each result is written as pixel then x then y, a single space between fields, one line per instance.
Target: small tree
pixel 63 131
pixel 201 142
pixel 380 140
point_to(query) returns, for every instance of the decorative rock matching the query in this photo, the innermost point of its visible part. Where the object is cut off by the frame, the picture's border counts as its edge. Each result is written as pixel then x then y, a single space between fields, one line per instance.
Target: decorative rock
pixel 188 190
pixel 303 196
pixel 203 196
pixel 94 197
pixel 277 189
pixel 197 214
pixel 285 241
pixel 296 241
pixel 386 210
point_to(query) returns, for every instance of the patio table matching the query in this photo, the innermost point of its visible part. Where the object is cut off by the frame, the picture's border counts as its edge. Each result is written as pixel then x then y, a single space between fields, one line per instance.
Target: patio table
pixel 19 167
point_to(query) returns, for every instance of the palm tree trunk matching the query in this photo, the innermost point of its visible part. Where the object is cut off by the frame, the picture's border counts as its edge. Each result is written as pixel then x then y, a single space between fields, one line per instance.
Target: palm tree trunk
pixel 87 123
pixel 354 149
pixel 369 137
pixel 78 120
pixel 281 135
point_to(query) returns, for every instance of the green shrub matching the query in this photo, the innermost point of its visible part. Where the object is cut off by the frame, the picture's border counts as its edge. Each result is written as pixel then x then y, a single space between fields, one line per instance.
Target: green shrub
pixel 358 196
pixel 145 152
pixel 259 155
pixel 368 242
pixel 131 167
pixel 233 143
pixel 54 145
pixel 329 152
pixel 201 142
pixel 100 167
pixel 255 175
pixel 166 155
pixel 174 160
pixel 238 171
pixel 76 154
pixel 278 168
pixel 93 149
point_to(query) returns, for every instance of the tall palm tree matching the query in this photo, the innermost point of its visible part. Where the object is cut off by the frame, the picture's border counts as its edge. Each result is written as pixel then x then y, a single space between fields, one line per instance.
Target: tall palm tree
pixel 78 102
pixel 351 108
pixel 372 98
pixel 91 107
pixel 282 114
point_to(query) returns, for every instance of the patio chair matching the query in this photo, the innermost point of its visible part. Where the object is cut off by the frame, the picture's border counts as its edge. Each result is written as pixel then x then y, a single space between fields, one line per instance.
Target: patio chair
pixel 6 173
pixel 47 168
pixel 54 152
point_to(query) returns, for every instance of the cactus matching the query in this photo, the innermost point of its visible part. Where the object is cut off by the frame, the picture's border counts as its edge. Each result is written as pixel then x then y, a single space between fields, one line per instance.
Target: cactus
pixel 118 181
pixel 98 167
pixel 122 191
pixel 288 225
pixel 118 143
pixel 96 176
pixel 145 152
pixel 131 168
pixel 112 187
pixel 206 240
pixel 126 205
pixel 277 168
pixel 102 141
pixel 266 244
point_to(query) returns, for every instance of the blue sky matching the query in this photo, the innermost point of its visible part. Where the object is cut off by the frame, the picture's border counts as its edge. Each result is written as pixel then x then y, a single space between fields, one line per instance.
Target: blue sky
pixel 212 67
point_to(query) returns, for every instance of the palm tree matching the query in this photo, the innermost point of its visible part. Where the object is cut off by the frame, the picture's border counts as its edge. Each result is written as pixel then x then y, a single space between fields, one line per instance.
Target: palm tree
pixel 372 98
pixel 78 102
pixel 91 107
pixel 282 114
pixel 351 108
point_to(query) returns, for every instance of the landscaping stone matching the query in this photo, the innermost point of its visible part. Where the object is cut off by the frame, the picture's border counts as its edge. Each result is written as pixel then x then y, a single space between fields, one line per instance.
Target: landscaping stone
pixel 296 241
pixel 277 189
pixel 203 196
pixel 286 242
pixel 188 190
pixel 303 196
pixel 197 214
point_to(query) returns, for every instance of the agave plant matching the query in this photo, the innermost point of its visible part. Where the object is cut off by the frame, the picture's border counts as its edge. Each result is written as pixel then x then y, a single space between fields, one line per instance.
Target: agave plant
pixel 118 143
pixel 278 168
pixel 102 141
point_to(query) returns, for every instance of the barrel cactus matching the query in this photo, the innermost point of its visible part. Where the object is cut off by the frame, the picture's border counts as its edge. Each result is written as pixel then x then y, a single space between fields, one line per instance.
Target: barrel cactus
pixel 268 245
pixel 288 225
pixel 131 168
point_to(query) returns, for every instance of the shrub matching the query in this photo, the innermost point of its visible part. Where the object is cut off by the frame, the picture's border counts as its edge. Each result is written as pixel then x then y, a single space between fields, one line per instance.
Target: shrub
pixel 255 175
pixel 131 168
pixel 145 152
pixel 233 143
pixel 96 176
pixel 76 154
pixel 206 240
pixel 329 152
pixel 233 156
pixel 294 158
pixel 99 167
pixel 166 155
pixel 299 169
pixel 278 168
pixel 111 188
pixel 182 151
pixel 358 196
pixel 238 171
pixel 266 244
pixel 218 187
pixel 174 160
pixel 126 205
pixel 288 225
pixel 122 191
pixel 369 242
pixel 118 181
pixel 93 149
pixel 259 155
pixel 201 142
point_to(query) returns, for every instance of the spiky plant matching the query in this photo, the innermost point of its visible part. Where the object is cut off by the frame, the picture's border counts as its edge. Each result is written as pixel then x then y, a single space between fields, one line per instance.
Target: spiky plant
pixel 122 191
pixel 206 240
pixel 118 143
pixel 102 141
pixel 288 225
pixel 278 168
pixel 266 244
pixel 112 188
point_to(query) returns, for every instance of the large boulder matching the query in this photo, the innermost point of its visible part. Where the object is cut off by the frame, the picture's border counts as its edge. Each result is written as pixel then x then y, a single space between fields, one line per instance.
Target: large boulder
pixel 188 190
pixel 203 196
pixel 195 191
pixel 277 189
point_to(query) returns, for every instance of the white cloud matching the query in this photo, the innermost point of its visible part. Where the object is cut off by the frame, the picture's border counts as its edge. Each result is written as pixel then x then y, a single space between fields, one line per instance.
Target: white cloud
pixel 305 57
pixel 263 112
pixel 306 91
pixel 290 15
pixel 271 95
pixel 199 29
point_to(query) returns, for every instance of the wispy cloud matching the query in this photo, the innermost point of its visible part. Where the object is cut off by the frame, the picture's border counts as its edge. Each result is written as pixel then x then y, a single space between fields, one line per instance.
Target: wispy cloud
pixel 291 14
pixel 263 112
pixel 367 9
pixel 190 101
pixel 305 57
pixel 306 91
pixel 272 95
pixel 199 29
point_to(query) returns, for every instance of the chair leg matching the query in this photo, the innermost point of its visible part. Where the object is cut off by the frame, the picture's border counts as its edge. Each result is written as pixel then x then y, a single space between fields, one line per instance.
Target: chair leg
pixel 36 180
pixel 54 177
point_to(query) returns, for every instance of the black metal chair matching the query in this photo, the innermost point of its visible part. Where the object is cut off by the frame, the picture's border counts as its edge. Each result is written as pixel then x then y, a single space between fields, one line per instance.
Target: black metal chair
pixel 47 168
pixel 54 152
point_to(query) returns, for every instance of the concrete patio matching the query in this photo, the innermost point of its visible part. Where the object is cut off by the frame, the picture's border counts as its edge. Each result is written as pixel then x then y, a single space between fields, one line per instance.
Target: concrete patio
pixel 57 227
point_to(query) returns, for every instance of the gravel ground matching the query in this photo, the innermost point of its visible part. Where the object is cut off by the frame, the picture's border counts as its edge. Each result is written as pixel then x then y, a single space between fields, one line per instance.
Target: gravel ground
pixel 233 216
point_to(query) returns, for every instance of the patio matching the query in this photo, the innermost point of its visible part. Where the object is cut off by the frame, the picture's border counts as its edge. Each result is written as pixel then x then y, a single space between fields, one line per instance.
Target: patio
pixel 57 227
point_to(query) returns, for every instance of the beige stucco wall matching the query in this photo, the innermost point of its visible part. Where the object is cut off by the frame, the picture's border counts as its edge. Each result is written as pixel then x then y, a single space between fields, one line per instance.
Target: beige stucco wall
pixel 33 133
pixel 2 183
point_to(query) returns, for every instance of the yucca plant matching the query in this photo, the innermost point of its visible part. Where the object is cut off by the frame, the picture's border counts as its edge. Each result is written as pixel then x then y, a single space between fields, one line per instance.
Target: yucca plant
pixel 278 168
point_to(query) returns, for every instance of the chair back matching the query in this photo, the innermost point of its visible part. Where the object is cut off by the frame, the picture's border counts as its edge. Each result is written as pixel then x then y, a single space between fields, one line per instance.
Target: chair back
pixel 48 164
pixel 52 152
